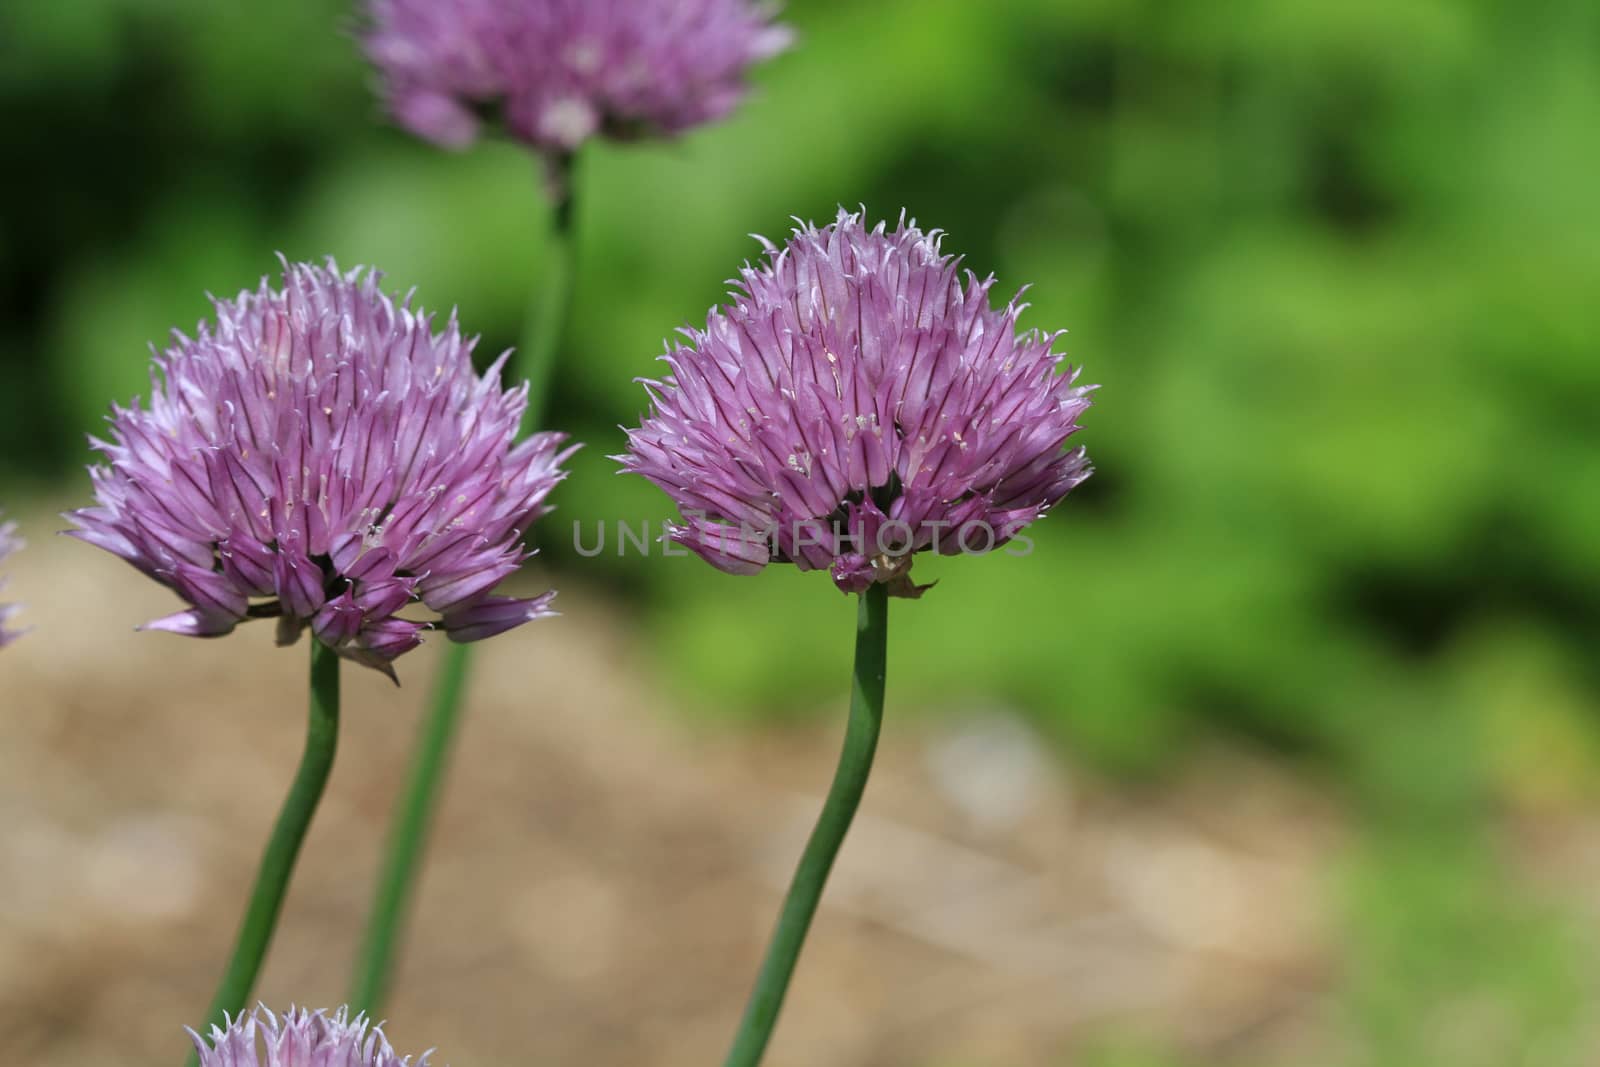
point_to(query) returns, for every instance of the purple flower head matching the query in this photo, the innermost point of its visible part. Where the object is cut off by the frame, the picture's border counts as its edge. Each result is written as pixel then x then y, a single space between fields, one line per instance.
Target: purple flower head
pixel 321 456
pixel 561 71
pixel 299 1039
pixel 9 543
pixel 859 400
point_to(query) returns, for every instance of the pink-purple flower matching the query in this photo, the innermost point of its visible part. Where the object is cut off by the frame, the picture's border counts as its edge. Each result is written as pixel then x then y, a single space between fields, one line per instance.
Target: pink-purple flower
pixel 322 455
pixel 856 401
pixel 9 543
pixel 300 1038
pixel 558 72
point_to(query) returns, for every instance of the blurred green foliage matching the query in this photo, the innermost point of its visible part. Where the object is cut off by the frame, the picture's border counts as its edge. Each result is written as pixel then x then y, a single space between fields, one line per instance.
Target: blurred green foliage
pixel 1334 263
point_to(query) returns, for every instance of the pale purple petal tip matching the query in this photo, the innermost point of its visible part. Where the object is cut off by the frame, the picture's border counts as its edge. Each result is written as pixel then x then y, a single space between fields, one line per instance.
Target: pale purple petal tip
pixel 387 639
pixel 857 400
pixel 494 615
pixel 192 623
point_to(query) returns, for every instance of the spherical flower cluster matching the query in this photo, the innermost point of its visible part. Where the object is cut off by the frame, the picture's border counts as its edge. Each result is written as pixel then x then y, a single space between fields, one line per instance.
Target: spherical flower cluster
pixel 558 72
pixel 321 456
pixel 9 543
pixel 858 401
pixel 299 1039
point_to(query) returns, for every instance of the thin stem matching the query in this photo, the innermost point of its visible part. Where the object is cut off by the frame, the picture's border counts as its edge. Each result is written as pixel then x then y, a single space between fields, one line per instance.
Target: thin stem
pixel 408 833
pixel 391 902
pixel 283 847
pixel 844 796
pixel 545 325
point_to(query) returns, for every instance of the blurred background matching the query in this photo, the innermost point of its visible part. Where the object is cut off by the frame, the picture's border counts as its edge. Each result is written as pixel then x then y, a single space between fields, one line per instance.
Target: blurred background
pixel 1283 747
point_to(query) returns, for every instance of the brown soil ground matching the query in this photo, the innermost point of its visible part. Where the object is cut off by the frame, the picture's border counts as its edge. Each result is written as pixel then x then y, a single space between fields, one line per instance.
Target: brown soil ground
pixel 604 874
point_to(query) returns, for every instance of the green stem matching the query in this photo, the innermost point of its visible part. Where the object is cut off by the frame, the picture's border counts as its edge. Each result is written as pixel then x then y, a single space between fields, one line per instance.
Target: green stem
pixel 413 818
pixel 374 966
pixel 844 796
pixel 283 847
pixel 545 325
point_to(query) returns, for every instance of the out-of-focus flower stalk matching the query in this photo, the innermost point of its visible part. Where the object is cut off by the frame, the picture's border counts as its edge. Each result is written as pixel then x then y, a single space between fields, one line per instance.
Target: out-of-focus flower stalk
pixel 413 818
pixel 283 847
pixel 546 323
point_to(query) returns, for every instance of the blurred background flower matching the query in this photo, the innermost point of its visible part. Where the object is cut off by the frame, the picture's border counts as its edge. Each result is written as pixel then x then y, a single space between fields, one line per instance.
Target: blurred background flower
pixel 9 543
pixel 1286 748
pixel 558 72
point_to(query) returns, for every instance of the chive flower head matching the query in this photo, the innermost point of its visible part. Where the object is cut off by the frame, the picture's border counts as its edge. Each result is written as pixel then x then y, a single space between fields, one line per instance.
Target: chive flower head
pixel 325 456
pixel 857 400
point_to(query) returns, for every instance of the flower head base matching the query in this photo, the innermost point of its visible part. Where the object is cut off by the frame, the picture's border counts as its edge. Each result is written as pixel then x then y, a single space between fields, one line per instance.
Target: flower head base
pixel 562 71
pixel 321 456
pixel 858 401
pixel 299 1039
pixel 9 543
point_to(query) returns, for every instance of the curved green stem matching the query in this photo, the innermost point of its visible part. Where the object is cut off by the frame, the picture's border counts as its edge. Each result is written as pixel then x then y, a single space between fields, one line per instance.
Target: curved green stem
pixel 844 796
pixel 407 841
pixel 283 847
